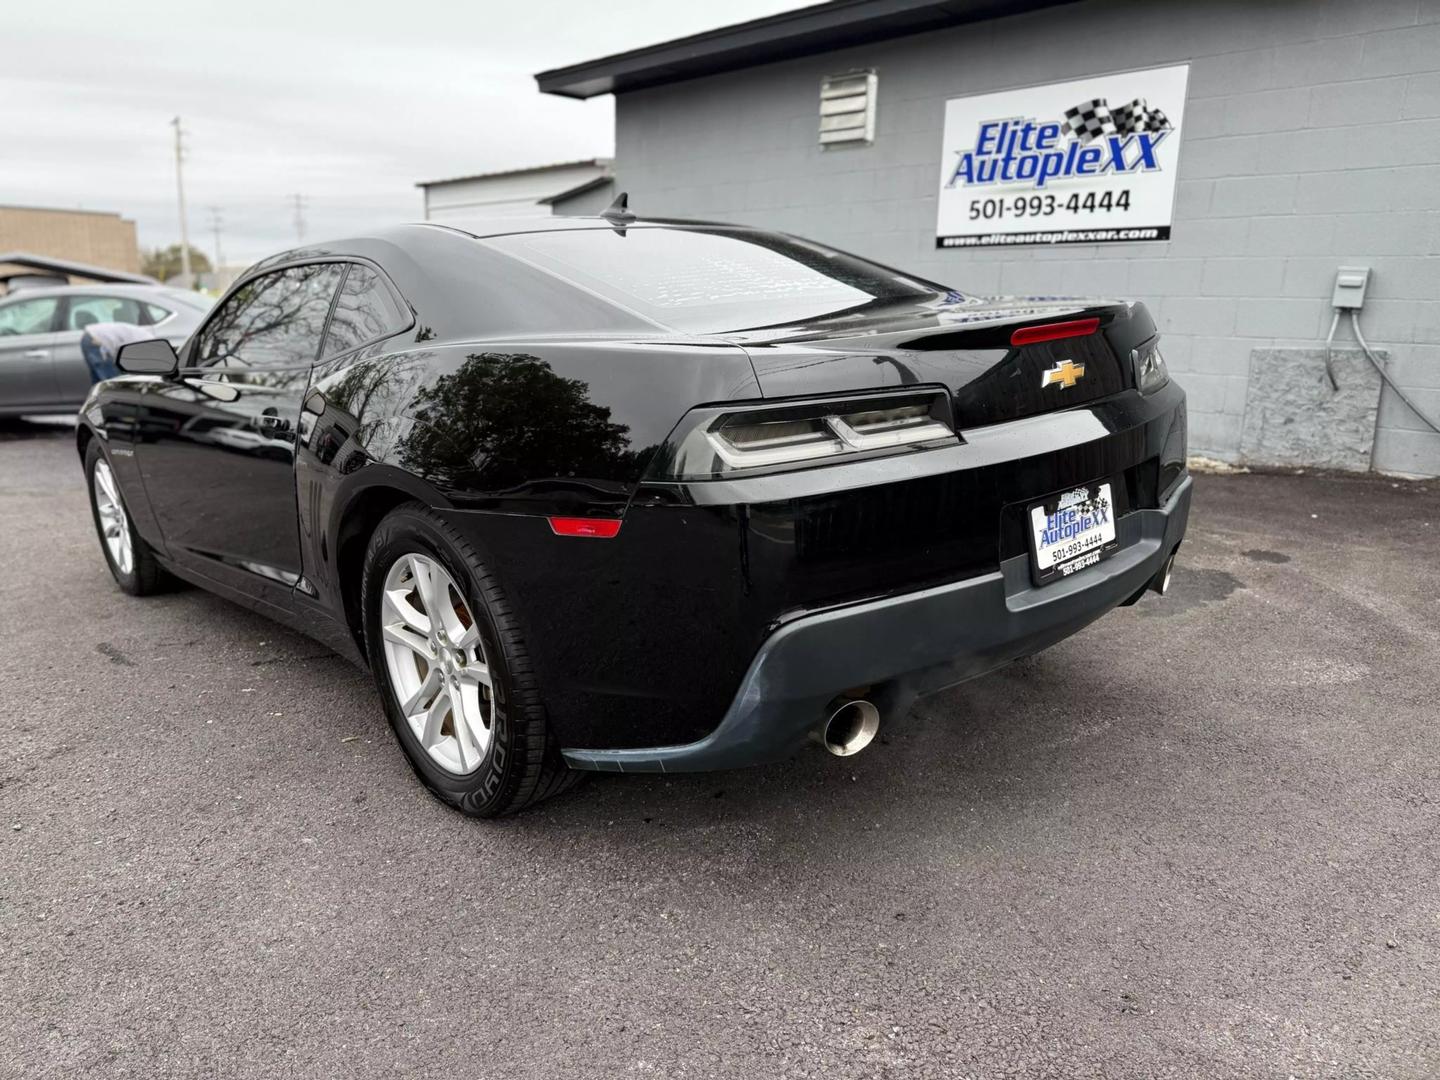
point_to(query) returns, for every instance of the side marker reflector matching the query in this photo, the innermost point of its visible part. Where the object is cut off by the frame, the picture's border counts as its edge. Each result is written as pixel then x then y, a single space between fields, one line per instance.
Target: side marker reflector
pixel 600 528
pixel 1030 335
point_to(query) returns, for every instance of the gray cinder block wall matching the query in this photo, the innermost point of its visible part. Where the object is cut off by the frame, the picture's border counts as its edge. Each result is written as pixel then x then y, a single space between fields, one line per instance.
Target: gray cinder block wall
pixel 1311 140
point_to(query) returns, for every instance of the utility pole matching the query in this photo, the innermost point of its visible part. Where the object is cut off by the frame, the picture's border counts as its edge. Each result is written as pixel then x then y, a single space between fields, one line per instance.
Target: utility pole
pixel 299 218
pixel 180 198
pixel 217 219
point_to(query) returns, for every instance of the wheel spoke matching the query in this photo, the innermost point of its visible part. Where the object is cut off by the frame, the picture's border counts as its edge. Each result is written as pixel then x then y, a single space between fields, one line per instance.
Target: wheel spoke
pixel 412 706
pixel 450 619
pixel 476 675
pixel 465 748
pixel 434 718
pixel 436 590
pixel 477 718
pixel 107 481
pixel 431 591
pixel 397 603
pixel 472 731
pixel 412 639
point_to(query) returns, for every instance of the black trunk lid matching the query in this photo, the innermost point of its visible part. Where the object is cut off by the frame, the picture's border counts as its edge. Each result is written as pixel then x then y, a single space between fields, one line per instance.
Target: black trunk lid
pixel 965 346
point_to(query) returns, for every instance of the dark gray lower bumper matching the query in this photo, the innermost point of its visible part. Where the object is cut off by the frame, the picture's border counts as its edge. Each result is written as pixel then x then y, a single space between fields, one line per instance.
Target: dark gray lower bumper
pixel 911 644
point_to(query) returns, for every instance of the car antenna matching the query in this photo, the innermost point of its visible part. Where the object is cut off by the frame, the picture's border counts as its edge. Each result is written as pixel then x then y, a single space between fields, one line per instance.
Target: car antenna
pixel 618 212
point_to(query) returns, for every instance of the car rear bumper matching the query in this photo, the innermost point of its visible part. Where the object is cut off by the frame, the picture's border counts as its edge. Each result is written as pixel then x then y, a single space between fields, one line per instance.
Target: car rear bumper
pixel 906 645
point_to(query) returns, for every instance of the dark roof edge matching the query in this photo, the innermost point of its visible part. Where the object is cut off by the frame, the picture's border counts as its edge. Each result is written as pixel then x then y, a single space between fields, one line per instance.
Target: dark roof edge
pixel 71 268
pixel 803 32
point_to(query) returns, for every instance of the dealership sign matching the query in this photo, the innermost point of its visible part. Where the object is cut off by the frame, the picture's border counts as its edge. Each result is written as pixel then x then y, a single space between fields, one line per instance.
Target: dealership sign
pixel 1080 162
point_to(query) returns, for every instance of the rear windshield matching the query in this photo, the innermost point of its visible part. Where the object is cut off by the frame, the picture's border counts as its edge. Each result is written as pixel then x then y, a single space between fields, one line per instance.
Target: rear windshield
pixel 712 281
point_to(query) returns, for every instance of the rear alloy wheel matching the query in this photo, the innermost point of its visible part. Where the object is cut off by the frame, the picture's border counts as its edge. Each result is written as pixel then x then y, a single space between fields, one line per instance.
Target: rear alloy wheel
pixel 131 560
pixel 452 669
pixel 436 663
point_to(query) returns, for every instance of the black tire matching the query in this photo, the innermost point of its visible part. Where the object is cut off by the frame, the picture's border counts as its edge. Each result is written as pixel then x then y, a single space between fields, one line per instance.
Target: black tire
pixel 146 576
pixel 522 765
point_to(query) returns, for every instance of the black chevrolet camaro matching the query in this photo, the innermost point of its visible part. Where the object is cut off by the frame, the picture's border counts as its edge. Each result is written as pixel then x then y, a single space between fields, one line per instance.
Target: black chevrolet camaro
pixel 641 496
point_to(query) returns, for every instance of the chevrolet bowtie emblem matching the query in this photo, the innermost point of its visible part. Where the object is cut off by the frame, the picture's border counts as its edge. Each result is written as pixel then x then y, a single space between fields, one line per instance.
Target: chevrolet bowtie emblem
pixel 1067 374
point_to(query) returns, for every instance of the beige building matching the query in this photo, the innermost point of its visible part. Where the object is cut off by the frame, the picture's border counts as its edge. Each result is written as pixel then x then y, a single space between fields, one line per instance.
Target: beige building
pixel 84 236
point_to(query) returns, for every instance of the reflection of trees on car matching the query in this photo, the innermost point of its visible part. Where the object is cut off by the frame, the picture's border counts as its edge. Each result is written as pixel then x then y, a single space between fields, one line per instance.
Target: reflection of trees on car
pixel 506 419
pixel 272 320
pixel 270 378
pixel 344 406
pixel 364 311
pixel 369 390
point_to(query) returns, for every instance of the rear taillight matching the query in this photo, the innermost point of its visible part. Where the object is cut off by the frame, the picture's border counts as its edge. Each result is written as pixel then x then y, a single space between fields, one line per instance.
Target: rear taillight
pixel 1149 366
pixel 718 442
pixel 1033 335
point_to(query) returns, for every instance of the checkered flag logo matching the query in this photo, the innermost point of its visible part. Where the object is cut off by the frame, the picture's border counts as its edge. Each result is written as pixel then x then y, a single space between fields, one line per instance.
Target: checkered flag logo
pixel 1094 119
pixel 1136 116
pixel 1090 120
pixel 1129 117
pixel 1155 121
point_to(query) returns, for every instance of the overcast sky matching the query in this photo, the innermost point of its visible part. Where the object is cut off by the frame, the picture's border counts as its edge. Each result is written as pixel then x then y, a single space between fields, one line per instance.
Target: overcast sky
pixel 347 103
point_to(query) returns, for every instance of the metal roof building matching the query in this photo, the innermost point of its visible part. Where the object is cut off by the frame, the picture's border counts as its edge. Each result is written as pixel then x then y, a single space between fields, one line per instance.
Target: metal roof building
pixel 567 187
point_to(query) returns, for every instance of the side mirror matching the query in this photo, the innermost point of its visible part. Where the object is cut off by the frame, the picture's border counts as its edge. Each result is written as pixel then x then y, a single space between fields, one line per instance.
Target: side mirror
pixel 148 358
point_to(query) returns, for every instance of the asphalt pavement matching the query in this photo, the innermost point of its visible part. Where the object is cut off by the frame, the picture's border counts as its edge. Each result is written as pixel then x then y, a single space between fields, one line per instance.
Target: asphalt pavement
pixel 1200 839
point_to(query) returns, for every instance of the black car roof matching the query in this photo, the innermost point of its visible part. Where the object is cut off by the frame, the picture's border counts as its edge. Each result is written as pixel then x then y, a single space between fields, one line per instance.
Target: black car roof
pixel 416 236
pixel 441 270
pixel 484 228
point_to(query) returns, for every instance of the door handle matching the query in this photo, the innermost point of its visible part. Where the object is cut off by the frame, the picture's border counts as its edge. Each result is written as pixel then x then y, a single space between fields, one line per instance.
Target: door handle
pixel 35 354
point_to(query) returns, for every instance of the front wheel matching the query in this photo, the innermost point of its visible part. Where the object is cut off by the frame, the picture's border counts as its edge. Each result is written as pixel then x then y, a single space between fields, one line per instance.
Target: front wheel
pixel 452 669
pixel 131 560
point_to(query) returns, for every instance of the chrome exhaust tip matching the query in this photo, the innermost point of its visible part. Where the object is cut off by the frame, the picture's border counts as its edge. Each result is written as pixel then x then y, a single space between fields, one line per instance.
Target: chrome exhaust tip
pixel 850 727
pixel 1161 584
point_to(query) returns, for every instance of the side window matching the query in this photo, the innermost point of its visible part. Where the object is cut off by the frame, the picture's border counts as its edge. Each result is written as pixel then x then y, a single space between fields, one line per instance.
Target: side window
pixel 365 311
pixel 276 320
pixel 28 316
pixel 89 310
pixel 157 313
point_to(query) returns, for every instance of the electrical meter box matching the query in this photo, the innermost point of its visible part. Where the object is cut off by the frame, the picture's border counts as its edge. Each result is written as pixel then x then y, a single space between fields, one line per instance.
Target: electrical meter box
pixel 1350 282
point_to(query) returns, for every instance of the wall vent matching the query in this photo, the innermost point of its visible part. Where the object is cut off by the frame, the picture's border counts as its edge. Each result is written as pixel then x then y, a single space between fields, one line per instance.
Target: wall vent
pixel 847 109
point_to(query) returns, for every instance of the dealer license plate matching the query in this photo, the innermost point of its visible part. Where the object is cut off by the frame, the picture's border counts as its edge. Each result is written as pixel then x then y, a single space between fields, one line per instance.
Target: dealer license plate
pixel 1072 531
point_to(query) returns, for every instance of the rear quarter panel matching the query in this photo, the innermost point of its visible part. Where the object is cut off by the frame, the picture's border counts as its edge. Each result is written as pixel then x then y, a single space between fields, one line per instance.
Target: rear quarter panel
pixel 499 436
